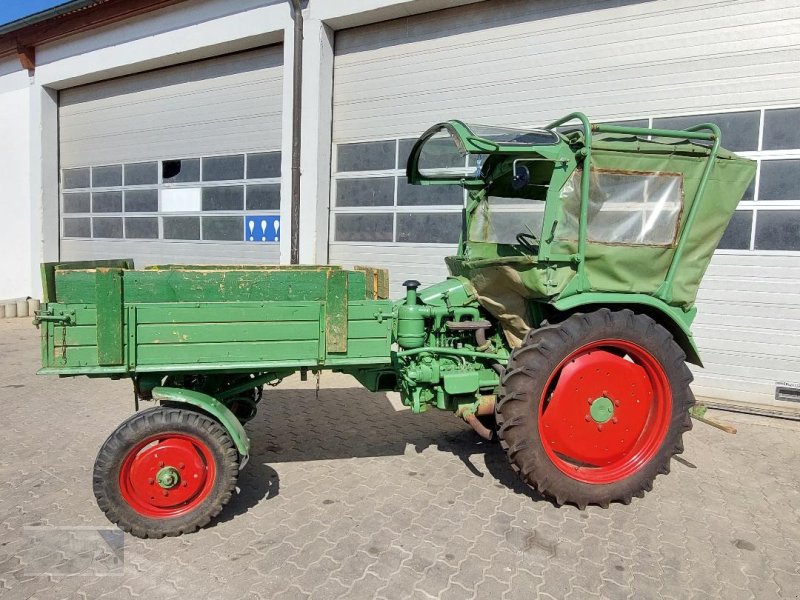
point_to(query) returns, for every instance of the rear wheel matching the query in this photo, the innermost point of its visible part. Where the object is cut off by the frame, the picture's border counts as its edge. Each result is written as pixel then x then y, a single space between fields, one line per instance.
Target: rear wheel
pixel 165 471
pixel 593 408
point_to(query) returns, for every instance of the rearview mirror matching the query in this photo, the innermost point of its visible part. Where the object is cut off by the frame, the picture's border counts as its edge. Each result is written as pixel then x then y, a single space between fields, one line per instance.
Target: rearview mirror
pixel 522 177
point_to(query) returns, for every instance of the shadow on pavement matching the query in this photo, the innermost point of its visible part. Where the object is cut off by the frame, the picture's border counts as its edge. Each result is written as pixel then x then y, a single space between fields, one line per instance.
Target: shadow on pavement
pixel 294 425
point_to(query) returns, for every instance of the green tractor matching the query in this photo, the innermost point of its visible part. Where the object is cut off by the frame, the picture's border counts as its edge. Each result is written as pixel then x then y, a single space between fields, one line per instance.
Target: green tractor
pixel 563 329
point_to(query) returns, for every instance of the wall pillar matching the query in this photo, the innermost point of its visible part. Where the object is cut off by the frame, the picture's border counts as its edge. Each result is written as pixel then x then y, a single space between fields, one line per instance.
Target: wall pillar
pixel 15 157
pixel 286 146
pixel 44 197
pixel 315 160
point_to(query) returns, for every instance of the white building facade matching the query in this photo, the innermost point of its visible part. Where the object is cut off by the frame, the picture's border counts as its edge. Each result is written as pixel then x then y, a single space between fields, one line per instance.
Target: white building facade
pixel 166 137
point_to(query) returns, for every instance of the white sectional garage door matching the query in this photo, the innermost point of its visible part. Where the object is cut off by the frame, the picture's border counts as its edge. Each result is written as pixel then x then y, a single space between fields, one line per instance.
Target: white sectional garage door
pixel 520 63
pixel 172 165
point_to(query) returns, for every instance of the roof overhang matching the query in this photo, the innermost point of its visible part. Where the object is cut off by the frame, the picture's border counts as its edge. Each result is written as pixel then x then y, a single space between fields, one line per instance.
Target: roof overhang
pixel 21 37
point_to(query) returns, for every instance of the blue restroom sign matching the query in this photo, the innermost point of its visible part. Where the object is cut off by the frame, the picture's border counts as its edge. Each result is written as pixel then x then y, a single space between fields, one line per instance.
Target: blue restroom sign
pixel 262 228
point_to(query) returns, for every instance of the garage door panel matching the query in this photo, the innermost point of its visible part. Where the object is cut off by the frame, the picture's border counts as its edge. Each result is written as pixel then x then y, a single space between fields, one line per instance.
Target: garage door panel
pixel 760 395
pixel 173 120
pixel 169 115
pixel 582 19
pixel 764 298
pixel 506 68
pixel 172 252
pixel 781 290
pixel 178 142
pixel 425 264
pixel 556 96
pixel 550 57
pixel 747 345
pixel 760 321
pixel 738 333
pixel 238 95
pixel 241 66
pixel 233 98
pixel 732 364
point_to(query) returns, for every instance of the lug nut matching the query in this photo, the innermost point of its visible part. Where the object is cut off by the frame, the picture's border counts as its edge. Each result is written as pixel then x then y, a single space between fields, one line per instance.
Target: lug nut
pixel 165 492
pixel 599 427
pixel 614 420
pixel 185 484
pixel 181 465
pixel 161 463
pixel 587 418
pixel 151 481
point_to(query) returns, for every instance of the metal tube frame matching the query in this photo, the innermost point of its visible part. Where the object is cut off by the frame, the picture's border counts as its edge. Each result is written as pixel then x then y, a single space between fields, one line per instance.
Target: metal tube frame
pixel 703 131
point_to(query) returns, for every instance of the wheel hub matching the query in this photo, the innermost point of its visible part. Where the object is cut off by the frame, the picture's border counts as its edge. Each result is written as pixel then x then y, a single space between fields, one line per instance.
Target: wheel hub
pixel 168 477
pixel 602 409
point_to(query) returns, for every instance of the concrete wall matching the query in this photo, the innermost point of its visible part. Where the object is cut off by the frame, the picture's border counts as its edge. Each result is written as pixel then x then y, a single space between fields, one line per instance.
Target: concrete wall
pixel 16 224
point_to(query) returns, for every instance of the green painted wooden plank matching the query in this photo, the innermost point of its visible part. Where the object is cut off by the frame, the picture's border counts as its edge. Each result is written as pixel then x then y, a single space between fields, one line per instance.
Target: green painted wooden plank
pixel 377 282
pixel 367 309
pixel 368 329
pixel 90 370
pixel 84 315
pixel 109 316
pixel 47 353
pixel 47 271
pixel 336 312
pixel 227 312
pixel 175 267
pixel 85 335
pixel 341 360
pixel 189 333
pixel 131 327
pixel 357 288
pixel 375 348
pixel 227 367
pixel 208 354
pixel 201 286
pixel 79 356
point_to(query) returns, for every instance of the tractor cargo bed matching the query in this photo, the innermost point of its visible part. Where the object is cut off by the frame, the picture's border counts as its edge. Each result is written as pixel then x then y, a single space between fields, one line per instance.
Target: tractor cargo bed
pixel 104 318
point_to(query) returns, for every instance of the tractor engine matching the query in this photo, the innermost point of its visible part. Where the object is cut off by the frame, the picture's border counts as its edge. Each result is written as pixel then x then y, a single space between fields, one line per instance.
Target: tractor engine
pixel 449 355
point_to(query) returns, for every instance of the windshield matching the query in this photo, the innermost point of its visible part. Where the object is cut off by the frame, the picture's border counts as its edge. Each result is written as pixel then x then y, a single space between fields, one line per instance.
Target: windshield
pixel 508 135
pixel 499 220
pixel 514 203
pixel 442 155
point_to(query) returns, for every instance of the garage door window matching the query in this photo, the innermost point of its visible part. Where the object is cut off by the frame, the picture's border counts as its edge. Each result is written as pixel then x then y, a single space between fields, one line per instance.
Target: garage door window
pixel 373 203
pixel 768 217
pixel 196 198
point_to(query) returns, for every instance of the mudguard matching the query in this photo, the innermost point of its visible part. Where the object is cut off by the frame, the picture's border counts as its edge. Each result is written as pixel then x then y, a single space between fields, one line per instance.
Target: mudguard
pixel 214 408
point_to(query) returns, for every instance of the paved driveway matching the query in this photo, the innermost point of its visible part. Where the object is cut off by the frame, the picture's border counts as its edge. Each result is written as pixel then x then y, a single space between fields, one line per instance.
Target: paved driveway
pixel 344 496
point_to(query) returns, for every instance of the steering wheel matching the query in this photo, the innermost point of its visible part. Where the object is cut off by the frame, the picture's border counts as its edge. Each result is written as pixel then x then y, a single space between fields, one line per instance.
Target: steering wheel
pixel 529 242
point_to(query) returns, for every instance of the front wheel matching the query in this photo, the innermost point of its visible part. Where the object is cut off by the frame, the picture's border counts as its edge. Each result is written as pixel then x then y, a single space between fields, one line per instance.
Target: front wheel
pixel 165 471
pixel 593 408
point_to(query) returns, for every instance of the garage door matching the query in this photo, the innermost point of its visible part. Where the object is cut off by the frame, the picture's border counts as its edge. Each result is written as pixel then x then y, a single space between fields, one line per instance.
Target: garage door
pixel 176 165
pixel 647 63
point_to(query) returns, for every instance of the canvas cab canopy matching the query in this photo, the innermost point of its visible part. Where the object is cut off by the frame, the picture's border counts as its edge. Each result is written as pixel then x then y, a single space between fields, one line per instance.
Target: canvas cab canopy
pixel 555 212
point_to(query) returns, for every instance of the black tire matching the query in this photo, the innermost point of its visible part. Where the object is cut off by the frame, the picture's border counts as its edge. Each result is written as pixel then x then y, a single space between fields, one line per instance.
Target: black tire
pixel 142 426
pixel 523 390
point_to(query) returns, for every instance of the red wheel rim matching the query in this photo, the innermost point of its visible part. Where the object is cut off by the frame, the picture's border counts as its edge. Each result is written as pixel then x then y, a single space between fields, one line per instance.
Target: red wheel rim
pixel 605 411
pixel 167 475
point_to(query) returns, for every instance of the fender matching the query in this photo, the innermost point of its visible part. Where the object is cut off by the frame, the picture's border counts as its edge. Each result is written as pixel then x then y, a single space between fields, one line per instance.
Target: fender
pixel 677 321
pixel 214 408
